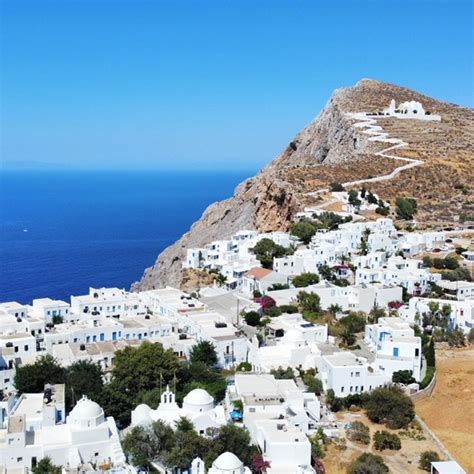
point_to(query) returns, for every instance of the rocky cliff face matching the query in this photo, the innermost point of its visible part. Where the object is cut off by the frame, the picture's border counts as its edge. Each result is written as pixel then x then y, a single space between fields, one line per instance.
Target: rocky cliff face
pixel 329 149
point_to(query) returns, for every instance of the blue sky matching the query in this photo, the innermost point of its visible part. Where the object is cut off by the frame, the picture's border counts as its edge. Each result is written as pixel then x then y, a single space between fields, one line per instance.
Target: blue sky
pixel 201 84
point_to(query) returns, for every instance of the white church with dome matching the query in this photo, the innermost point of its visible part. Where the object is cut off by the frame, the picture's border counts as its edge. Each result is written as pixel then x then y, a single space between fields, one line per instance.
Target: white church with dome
pixel 36 428
pixel 226 463
pixel 198 407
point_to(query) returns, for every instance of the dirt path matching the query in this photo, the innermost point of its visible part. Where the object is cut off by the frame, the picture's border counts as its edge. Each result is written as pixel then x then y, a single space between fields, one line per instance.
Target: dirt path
pixel 449 412
pixel 377 135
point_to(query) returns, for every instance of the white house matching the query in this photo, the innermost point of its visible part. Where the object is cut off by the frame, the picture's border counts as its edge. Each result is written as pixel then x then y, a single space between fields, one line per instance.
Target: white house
pixel 261 279
pixel 348 374
pixel 395 346
pixel 226 463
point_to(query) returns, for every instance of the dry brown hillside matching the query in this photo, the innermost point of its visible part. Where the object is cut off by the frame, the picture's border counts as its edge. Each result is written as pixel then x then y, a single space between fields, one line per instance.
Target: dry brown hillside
pixel 331 149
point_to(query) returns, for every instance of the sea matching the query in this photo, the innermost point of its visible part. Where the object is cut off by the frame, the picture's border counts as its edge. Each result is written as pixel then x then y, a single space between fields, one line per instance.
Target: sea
pixel 65 231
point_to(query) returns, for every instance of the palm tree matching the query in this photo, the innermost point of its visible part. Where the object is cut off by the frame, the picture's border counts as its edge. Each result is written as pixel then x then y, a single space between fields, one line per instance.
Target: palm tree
pixel 334 309
pixel 221 279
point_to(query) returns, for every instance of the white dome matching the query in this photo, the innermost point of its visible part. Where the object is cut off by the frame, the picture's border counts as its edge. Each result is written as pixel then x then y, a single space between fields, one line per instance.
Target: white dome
pixel 293 335
pixel 86 409
pixel 198 396
pixel 227 462
pixel 141 414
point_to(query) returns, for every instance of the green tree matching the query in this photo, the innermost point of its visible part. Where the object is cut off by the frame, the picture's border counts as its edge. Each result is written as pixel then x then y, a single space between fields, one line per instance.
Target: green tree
pixel 403 376
pixel 164 437
pixel 385 440
pixel 304 230
pixel 252 318
pixel 376 313
pixel 84 377
pixel 406 208
pixel 355 322
pixel 426 458
pixel 31 378
pixel 354 198
pixel 310 302
pixel 45 466
pixel 204 351
pixel 334 309
pixel 221 279
pixel 368 463
pixel 140 446
pixel 347 336
pixel 305 279
pixel 233 439
pixel 137 370
pixel 326 272
pixel 313 384
pixel 266 250
pixel 430 354
pixel 390 406
pixel 184 424
pixel 199 375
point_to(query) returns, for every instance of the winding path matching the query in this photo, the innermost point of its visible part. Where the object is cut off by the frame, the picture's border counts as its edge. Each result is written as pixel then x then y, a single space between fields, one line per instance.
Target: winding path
pixel 378 135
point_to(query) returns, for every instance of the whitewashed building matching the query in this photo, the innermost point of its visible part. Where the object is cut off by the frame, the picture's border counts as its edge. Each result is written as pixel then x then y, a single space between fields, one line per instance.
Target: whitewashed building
pixel 395 346
pixel 37 428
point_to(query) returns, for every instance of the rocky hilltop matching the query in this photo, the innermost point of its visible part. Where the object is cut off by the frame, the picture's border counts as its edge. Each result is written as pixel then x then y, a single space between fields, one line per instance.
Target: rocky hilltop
pixel 331 149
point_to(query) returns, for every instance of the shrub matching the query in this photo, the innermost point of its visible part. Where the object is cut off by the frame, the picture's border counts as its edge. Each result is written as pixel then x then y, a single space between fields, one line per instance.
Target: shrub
pixel 427 262
pixel 305 279
pixel 359 432
pixel 336 187
pixel 57 319
pixel 406 208
pixel 456 338
pixel 244 367
pixel 426 458
pixel 282 373
pixel 313 384
pixel 390 406
pixel 354 322
pixel 278 286
pixel 403 376
pixel 288 308
pixel 451 263
pixel 368 463
pixel 252 318
pixel 273 311
pixel 459 274
pixel 385 440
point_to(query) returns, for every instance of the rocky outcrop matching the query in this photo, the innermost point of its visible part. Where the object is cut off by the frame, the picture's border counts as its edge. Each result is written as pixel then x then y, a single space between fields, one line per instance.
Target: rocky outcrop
pixel 268 201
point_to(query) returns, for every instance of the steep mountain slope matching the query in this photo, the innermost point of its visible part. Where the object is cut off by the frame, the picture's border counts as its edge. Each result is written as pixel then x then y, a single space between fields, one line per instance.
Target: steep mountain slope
pixel 331 149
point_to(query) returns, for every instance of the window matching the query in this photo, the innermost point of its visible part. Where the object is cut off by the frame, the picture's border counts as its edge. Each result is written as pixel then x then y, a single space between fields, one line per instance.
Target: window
pixel 16 348
pixel 342 389
pixel 350 390
pixel 26 348
pixel 417 352
pixel 357 374
pixel 395 352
